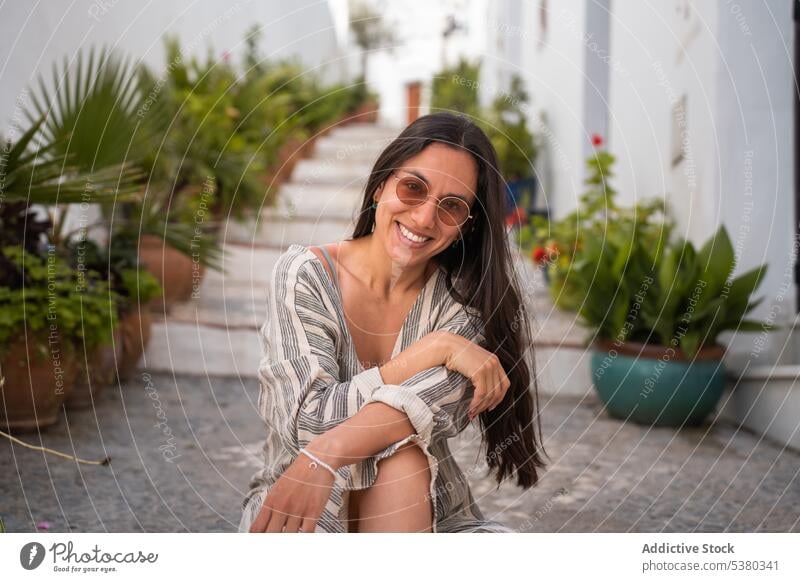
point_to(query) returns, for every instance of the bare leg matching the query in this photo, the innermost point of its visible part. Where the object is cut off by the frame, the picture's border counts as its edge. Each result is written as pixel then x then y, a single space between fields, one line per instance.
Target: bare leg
pixel 399 500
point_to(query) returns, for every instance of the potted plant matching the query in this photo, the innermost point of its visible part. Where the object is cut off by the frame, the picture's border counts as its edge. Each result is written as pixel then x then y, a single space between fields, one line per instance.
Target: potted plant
pixel 115 263
pixel 554 245
pixel 657 313
pixel 138 288
pixel 48 313
pixel 655 307
pixel 516 147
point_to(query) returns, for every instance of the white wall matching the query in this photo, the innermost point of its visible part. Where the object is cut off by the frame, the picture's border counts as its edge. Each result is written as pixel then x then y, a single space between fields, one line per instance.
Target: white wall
pixel 34 35
pixel 755 116
pixel 553 63
pixel 731 61
pixel 667 55
pixel 419 52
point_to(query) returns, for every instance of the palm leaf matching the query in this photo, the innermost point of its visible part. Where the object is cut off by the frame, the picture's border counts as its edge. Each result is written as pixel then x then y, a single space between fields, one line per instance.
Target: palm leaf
pixel 39 176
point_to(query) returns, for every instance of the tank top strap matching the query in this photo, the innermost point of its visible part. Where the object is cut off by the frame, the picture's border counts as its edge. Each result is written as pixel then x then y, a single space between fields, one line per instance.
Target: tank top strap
pixel 331 264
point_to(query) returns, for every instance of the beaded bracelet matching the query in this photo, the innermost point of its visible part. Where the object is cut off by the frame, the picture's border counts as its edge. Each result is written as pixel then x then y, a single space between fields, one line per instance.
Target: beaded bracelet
pixel 316 461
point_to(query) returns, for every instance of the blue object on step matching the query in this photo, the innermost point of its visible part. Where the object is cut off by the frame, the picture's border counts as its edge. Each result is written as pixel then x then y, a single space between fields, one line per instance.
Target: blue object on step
pixel 524 191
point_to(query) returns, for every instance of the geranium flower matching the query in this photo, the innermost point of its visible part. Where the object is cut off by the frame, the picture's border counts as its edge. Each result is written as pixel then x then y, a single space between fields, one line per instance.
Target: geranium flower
pixel 517 216
pixel 597 140
pixel 538 255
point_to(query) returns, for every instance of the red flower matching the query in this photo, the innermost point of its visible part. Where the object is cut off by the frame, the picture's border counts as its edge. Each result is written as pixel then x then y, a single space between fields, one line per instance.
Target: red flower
pixel 517 216
pixel 597 140
pixel 538 255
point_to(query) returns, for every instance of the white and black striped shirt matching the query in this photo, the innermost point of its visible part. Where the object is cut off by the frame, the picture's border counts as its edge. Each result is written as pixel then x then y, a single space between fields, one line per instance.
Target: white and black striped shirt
pixel 311 380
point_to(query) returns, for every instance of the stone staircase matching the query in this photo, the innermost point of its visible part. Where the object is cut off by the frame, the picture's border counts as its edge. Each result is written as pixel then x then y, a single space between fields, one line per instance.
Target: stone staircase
pixel 215 334
pixel 320 203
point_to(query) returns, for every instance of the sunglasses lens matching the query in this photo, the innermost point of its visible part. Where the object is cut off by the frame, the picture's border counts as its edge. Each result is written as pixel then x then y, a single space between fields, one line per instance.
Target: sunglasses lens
pixel 412 191
pixel 453 211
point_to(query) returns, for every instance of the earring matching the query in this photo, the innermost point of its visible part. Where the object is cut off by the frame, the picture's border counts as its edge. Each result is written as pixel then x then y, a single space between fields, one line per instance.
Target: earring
pixel 374 203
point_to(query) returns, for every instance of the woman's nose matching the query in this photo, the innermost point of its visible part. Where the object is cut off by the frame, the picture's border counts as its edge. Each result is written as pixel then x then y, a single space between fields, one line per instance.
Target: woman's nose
pixel 425 213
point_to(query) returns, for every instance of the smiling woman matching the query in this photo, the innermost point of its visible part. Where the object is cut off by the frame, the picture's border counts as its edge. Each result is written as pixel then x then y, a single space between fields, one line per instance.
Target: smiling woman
pixel 425 290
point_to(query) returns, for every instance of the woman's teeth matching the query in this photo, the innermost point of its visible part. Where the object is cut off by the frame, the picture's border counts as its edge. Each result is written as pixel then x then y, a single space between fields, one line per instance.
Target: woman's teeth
pixel 411 236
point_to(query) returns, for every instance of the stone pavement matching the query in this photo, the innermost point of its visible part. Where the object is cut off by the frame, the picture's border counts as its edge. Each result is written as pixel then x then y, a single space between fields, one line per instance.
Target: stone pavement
pixel 184 435
pixel 183 448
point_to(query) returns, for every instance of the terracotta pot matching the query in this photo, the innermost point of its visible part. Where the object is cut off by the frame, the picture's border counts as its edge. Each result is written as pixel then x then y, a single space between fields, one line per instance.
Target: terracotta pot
pixel 134 331
pixel 367 112
pixel 288 156
pixel 177 273
pixel 34 385
pixel 102 372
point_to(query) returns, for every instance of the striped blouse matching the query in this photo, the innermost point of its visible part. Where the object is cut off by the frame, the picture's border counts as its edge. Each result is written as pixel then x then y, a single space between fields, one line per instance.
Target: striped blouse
pixel 312 380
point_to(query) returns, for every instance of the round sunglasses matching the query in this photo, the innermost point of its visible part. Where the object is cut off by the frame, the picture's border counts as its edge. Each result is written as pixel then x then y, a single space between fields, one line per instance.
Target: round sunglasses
pixel 451 210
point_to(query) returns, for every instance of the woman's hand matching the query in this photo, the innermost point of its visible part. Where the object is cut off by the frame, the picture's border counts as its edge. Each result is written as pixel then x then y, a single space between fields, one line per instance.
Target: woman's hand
pixel 481 366
pixel 296 500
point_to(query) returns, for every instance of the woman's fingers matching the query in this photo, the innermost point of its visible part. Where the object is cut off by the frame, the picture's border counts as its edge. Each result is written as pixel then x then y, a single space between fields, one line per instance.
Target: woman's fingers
pixel 293 523
pixel 490 389
pixel 260 523
pixel 482 395
pixel 503 384
pixel 276 521
pixel 309 525
pixel 497 388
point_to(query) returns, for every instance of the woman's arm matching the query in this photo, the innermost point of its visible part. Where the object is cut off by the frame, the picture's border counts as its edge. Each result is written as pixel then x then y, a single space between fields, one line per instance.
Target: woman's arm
pixel 298 498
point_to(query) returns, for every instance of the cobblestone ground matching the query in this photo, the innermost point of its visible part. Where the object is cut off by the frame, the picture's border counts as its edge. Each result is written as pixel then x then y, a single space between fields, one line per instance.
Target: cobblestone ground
pixel 603 475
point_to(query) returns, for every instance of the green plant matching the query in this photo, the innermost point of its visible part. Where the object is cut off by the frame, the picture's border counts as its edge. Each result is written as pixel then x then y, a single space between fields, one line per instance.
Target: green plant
pixel 456 89
pixel 203 142
pixel 369 31
pixel 597 222
pixel 116 264
pixel 89 109
pixel 86 115
pixel 507 127
pixel 43 295
pixel 42 175
pixel 673 296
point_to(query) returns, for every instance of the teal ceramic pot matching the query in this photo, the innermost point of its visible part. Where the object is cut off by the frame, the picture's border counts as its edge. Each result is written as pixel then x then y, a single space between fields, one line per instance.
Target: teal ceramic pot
pixel 655 385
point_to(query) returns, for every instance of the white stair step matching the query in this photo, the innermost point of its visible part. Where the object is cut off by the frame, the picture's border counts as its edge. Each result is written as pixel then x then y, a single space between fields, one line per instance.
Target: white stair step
pixel 332 149
pixel 318 171
pixel 365 131
pixel 278 230
pixel 320 200
pixel 186 348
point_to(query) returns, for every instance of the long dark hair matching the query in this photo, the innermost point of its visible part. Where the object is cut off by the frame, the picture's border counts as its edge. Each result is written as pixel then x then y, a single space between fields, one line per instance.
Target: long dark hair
pixel 486 281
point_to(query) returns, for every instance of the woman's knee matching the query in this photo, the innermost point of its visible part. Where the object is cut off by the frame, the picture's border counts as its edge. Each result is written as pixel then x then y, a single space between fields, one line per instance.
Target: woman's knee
pixel 408 463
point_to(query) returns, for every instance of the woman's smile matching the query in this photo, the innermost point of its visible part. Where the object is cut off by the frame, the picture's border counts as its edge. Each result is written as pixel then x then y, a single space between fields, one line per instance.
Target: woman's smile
pixel 410 238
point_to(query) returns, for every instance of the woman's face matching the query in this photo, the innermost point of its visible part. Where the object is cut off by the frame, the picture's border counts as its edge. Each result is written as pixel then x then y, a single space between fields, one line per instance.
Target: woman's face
pixel 447 171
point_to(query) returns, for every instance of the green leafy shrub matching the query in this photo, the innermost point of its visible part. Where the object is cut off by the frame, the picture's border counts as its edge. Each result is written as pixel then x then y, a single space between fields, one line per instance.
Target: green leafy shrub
pixel 617 269
pixel 456 89
pixel 117 265
pixel 673 296
pixel 598 221
pixel 507 127
pixel 505 121
pixel 43 294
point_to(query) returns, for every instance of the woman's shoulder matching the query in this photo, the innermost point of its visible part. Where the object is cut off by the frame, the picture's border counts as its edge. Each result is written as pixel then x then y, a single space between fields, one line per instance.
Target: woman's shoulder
pixel 296 264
